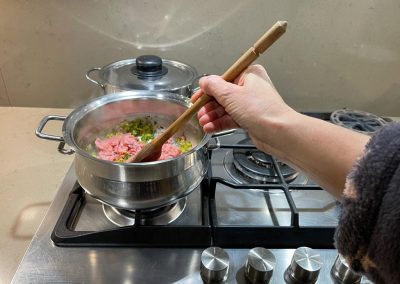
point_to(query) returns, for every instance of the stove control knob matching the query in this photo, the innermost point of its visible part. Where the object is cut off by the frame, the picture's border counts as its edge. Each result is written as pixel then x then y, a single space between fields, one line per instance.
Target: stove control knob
pixel 260 265
pixel 214 265
pixel 305 266
pixel 342 273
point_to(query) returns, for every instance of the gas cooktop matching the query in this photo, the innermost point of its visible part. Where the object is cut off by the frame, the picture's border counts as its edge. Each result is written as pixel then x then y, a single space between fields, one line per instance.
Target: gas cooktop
pixel 252 218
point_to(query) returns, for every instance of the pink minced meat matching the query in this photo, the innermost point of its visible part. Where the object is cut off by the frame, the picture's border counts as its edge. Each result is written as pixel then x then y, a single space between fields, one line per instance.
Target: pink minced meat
pixel 169 150
pixel 119 146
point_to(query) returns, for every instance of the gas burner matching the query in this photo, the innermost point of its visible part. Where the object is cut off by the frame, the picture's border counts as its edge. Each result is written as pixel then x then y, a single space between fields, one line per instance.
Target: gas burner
pixel 256 166
pixel 159 216
pixel 359 121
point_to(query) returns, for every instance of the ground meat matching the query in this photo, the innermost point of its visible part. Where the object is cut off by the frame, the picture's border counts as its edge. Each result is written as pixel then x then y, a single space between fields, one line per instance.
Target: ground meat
pixel 121 146
pixel 169 150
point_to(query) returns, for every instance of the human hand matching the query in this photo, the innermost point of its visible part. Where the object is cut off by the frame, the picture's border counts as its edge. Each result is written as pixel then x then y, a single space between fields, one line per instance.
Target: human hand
pixel 251 103
pixel 252 98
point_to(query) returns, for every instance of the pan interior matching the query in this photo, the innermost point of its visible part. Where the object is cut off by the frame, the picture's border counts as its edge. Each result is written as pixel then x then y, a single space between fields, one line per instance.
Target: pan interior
pixel 104 118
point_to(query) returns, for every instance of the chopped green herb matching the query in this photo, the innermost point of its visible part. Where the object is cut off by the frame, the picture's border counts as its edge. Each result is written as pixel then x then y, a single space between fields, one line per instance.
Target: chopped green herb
pixel 184 145
pixel 91 150
pixel 123 158
pixel 113 133
pixel 139 127
pixel 147 137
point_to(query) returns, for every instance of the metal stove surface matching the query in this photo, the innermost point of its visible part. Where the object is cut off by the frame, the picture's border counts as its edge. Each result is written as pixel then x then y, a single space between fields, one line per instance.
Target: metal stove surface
pixel 46 263
pixel 244 207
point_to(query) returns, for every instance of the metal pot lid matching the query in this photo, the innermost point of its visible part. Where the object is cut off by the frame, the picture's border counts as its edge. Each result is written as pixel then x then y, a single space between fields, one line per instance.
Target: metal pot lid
pixel 148 72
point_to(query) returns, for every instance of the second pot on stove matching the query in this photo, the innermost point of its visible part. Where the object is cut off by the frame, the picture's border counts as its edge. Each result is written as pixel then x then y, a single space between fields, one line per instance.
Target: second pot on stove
pixel 146 72
pixel 132 186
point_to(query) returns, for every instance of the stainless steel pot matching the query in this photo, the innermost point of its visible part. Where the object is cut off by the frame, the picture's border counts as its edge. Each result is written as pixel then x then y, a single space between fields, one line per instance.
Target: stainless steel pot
pixel 132 186
pixel 146 72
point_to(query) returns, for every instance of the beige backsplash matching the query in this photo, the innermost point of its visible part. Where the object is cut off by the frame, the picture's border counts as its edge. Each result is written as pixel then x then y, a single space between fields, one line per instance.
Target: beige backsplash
pixel 335 53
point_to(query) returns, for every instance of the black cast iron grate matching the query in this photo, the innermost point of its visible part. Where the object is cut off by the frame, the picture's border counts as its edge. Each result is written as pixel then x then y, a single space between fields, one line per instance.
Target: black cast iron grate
pixel 208 233
pixel 291 236
pixel 133 236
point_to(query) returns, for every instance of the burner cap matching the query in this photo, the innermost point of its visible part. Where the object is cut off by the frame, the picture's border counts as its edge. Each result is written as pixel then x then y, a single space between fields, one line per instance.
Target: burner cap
pixel 359 121
pixel 159 216
pixel 258 166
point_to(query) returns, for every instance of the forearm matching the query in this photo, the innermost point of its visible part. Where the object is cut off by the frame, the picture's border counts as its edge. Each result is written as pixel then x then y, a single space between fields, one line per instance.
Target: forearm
pixel 325 152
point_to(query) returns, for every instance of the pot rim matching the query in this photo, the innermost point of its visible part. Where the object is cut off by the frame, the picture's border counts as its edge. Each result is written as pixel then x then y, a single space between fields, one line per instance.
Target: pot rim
pixel 81 111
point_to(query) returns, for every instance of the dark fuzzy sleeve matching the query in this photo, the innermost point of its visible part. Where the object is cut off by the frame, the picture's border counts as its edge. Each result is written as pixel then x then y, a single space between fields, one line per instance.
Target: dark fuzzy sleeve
pixel 368 233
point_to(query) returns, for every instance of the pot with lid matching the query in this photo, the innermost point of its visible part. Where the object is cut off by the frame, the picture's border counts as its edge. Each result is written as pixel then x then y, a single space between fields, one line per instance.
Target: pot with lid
pixel 146 72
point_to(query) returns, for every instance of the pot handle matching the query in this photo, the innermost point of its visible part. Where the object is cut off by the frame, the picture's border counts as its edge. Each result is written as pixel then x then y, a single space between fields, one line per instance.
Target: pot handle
pixel 223 133
pixel 43 123
pixel 93 80
pixel 219 134
pixel 64 151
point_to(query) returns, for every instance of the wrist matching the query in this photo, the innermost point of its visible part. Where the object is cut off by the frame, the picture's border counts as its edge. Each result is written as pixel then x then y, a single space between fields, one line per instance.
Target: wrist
pixel 273 133
pixel 279 126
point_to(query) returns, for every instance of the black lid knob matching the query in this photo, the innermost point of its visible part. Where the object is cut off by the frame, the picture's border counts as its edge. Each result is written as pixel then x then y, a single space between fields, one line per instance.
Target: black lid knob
pixel 149 66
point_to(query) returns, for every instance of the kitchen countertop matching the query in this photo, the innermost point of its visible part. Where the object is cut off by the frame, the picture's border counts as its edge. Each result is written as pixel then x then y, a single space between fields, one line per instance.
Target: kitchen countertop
pixel 31 171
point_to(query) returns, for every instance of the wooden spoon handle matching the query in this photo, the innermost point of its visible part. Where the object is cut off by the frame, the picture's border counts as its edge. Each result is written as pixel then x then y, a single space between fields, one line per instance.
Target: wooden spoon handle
pixel 261 45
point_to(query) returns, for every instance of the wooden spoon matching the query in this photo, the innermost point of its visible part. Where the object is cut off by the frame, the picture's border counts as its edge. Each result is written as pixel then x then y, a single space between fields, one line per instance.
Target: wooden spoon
pixel 152 150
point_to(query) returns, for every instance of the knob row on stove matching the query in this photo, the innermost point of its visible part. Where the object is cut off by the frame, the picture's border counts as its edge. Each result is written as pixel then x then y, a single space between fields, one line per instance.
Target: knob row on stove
pixel 304 267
